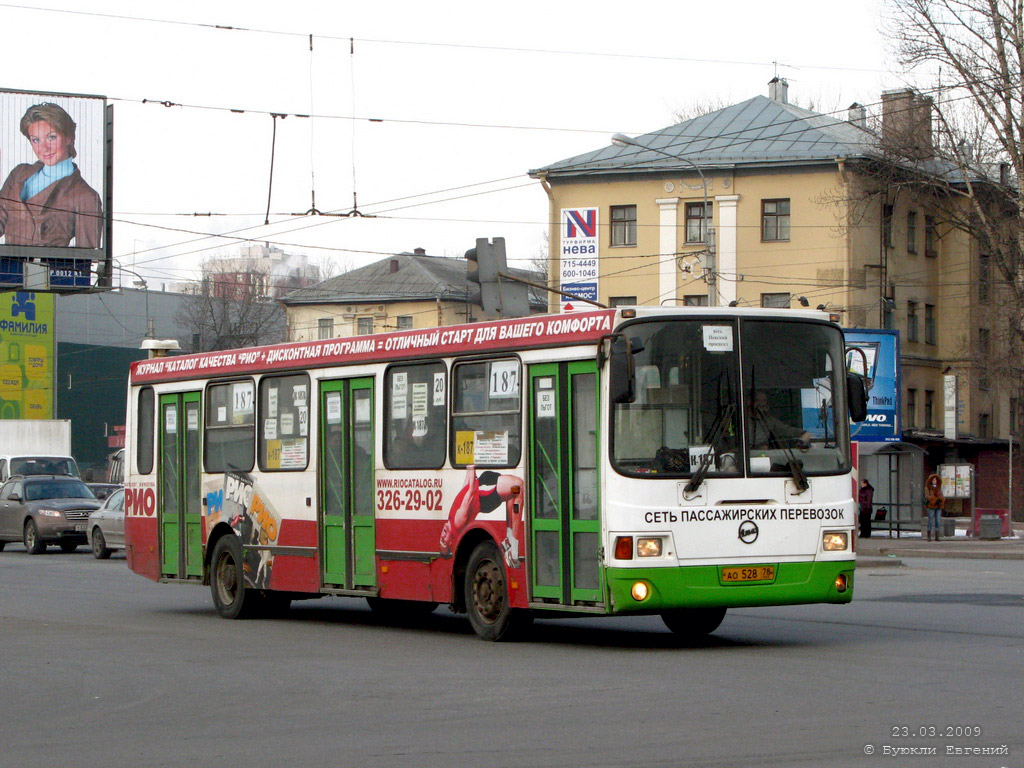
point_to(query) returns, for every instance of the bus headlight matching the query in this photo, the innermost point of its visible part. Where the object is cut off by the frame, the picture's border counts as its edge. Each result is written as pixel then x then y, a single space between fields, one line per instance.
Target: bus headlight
pixel 648 547
pixel 835 541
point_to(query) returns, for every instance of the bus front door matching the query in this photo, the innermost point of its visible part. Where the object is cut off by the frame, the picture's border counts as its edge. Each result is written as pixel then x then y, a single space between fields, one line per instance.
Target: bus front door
pixel 346 511
pixel 565 529
pixel 181 546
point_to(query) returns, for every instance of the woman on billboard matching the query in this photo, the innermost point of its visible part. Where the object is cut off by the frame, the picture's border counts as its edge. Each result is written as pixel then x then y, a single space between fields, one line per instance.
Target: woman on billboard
pixel 48 203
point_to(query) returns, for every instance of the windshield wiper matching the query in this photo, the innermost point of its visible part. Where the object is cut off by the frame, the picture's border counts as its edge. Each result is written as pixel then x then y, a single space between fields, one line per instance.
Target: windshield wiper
pixel 725 418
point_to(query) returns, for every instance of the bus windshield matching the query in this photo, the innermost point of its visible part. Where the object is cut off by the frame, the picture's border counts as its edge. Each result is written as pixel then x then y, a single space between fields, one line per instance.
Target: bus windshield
pixel 724 399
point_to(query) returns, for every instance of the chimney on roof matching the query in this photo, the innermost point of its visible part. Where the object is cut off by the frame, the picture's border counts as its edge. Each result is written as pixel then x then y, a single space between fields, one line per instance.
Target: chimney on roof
pixel 907 123
pixel 394 266
pixel 778 90
pixel 858 116
pixel 419 252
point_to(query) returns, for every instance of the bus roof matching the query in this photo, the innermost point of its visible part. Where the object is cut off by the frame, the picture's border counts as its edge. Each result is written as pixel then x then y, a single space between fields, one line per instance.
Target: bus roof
pixel 532 332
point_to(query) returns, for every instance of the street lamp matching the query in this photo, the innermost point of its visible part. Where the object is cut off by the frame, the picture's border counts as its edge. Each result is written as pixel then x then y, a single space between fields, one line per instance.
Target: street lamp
pixel 622 140
pixel 140 282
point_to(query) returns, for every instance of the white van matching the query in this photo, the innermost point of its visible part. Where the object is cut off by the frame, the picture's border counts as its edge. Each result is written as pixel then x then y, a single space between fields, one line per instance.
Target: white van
pixel 37 464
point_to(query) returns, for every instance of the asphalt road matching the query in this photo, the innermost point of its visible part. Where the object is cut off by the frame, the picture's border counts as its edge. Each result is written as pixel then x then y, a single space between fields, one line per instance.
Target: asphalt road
pixel 100 667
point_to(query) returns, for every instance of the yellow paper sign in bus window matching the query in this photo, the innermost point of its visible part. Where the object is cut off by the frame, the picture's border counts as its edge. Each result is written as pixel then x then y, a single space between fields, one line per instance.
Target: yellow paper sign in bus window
pixel 464 446
pixel 273 454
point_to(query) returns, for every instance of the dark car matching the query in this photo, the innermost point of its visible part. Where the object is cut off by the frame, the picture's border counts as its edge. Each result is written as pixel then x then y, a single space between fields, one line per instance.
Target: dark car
pixel 45 509
pixel 102 490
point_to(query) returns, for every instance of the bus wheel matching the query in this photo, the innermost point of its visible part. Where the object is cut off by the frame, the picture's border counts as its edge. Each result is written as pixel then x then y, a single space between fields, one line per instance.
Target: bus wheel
pixel 487 600
pixel 693 622
pixel 230 596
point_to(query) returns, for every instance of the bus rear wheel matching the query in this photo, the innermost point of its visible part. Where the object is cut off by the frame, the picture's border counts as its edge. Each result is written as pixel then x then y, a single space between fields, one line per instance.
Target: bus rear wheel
pixel 693 623
pixel 487 599
pixel 231 597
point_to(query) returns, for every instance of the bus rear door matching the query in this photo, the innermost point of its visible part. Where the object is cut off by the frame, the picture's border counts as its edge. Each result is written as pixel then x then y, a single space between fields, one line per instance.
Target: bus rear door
pixel 180 512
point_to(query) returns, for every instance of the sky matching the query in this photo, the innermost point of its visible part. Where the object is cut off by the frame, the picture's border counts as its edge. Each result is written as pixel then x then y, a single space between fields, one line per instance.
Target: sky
pixel 427 116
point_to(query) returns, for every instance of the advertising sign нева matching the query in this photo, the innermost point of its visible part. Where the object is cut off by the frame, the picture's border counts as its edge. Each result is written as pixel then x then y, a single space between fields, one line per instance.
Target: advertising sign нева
pixel 882 354
pixel 55 198
pixel 26 355
pixel 579 271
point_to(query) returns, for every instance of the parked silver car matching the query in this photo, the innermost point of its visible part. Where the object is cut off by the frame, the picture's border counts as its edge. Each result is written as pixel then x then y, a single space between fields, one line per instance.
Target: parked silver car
pixel 45 509
pixel 106 526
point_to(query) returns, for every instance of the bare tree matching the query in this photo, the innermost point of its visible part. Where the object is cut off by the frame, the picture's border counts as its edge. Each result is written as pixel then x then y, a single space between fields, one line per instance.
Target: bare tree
pixel 974 49
pixel 228 312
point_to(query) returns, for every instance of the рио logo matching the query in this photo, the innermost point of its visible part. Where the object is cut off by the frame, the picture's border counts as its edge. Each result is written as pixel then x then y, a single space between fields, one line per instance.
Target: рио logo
pixel 748 532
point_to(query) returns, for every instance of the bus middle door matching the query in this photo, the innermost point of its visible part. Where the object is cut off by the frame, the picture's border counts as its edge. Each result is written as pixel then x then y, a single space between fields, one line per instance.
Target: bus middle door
pixel 346 511
pixel 565 527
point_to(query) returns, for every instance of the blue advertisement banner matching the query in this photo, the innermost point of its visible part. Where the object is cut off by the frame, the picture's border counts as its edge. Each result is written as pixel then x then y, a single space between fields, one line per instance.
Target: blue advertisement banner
pixel 880 363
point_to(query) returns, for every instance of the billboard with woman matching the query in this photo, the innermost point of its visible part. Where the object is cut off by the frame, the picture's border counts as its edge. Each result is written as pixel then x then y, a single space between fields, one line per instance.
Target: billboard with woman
pixel 54 202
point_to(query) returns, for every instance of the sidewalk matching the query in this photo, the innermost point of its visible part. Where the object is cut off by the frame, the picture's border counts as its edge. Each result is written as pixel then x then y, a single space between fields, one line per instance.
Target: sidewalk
pixel 880 550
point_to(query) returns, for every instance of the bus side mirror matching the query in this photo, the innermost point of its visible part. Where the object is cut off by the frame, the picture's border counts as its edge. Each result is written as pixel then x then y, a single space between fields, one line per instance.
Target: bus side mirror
pixel 857 396
pixel 622 371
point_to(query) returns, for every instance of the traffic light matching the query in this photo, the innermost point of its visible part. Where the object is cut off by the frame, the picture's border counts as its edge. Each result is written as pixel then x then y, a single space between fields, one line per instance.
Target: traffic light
pixel 500 294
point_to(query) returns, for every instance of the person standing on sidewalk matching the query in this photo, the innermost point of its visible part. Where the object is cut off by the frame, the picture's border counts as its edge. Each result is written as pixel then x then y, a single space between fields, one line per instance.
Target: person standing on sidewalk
pixel 934 502
pixel 866 497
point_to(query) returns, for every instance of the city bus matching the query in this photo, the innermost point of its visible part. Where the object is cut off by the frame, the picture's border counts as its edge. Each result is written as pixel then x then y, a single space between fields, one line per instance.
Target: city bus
pixel 665 461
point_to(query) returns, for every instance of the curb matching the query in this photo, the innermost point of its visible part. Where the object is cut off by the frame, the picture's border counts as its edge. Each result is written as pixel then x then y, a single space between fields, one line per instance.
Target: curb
pixel 874 561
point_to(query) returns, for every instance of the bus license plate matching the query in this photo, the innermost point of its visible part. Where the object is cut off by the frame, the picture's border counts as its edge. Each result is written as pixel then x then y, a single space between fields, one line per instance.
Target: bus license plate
pixel 749 573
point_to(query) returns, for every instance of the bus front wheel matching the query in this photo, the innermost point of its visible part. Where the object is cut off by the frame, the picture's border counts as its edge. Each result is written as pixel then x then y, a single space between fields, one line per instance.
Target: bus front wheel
pixel 487 599
pixel 231 597
pixel 693 622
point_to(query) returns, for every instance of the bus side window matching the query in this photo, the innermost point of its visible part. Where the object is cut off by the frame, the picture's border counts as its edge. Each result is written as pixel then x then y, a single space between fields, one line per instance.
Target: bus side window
pixel 230 427
pixel 415 416
pixel 284 423
pixel 486 417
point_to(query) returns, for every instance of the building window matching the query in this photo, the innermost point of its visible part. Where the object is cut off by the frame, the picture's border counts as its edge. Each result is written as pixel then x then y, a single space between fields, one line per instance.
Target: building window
pixel 984 278
pixel 984 348
pixel 929 409
pixel 984 425
pixel 486 420
pixel 911 416
pixel 230 427
pixel 929 324
pixel 325 328
pixel 695 300
pixel 911 231
pixel 364 325
pixel 931 237
pixel 622 301
pixel 415 416
pixel 1014 414
pixel 888 305
pixel 774 220
pixel 405 322
pixel 623 225
pixel 284 423
pixel 911 321
pixel 775 300
pixel 698 219
pixel 887 225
